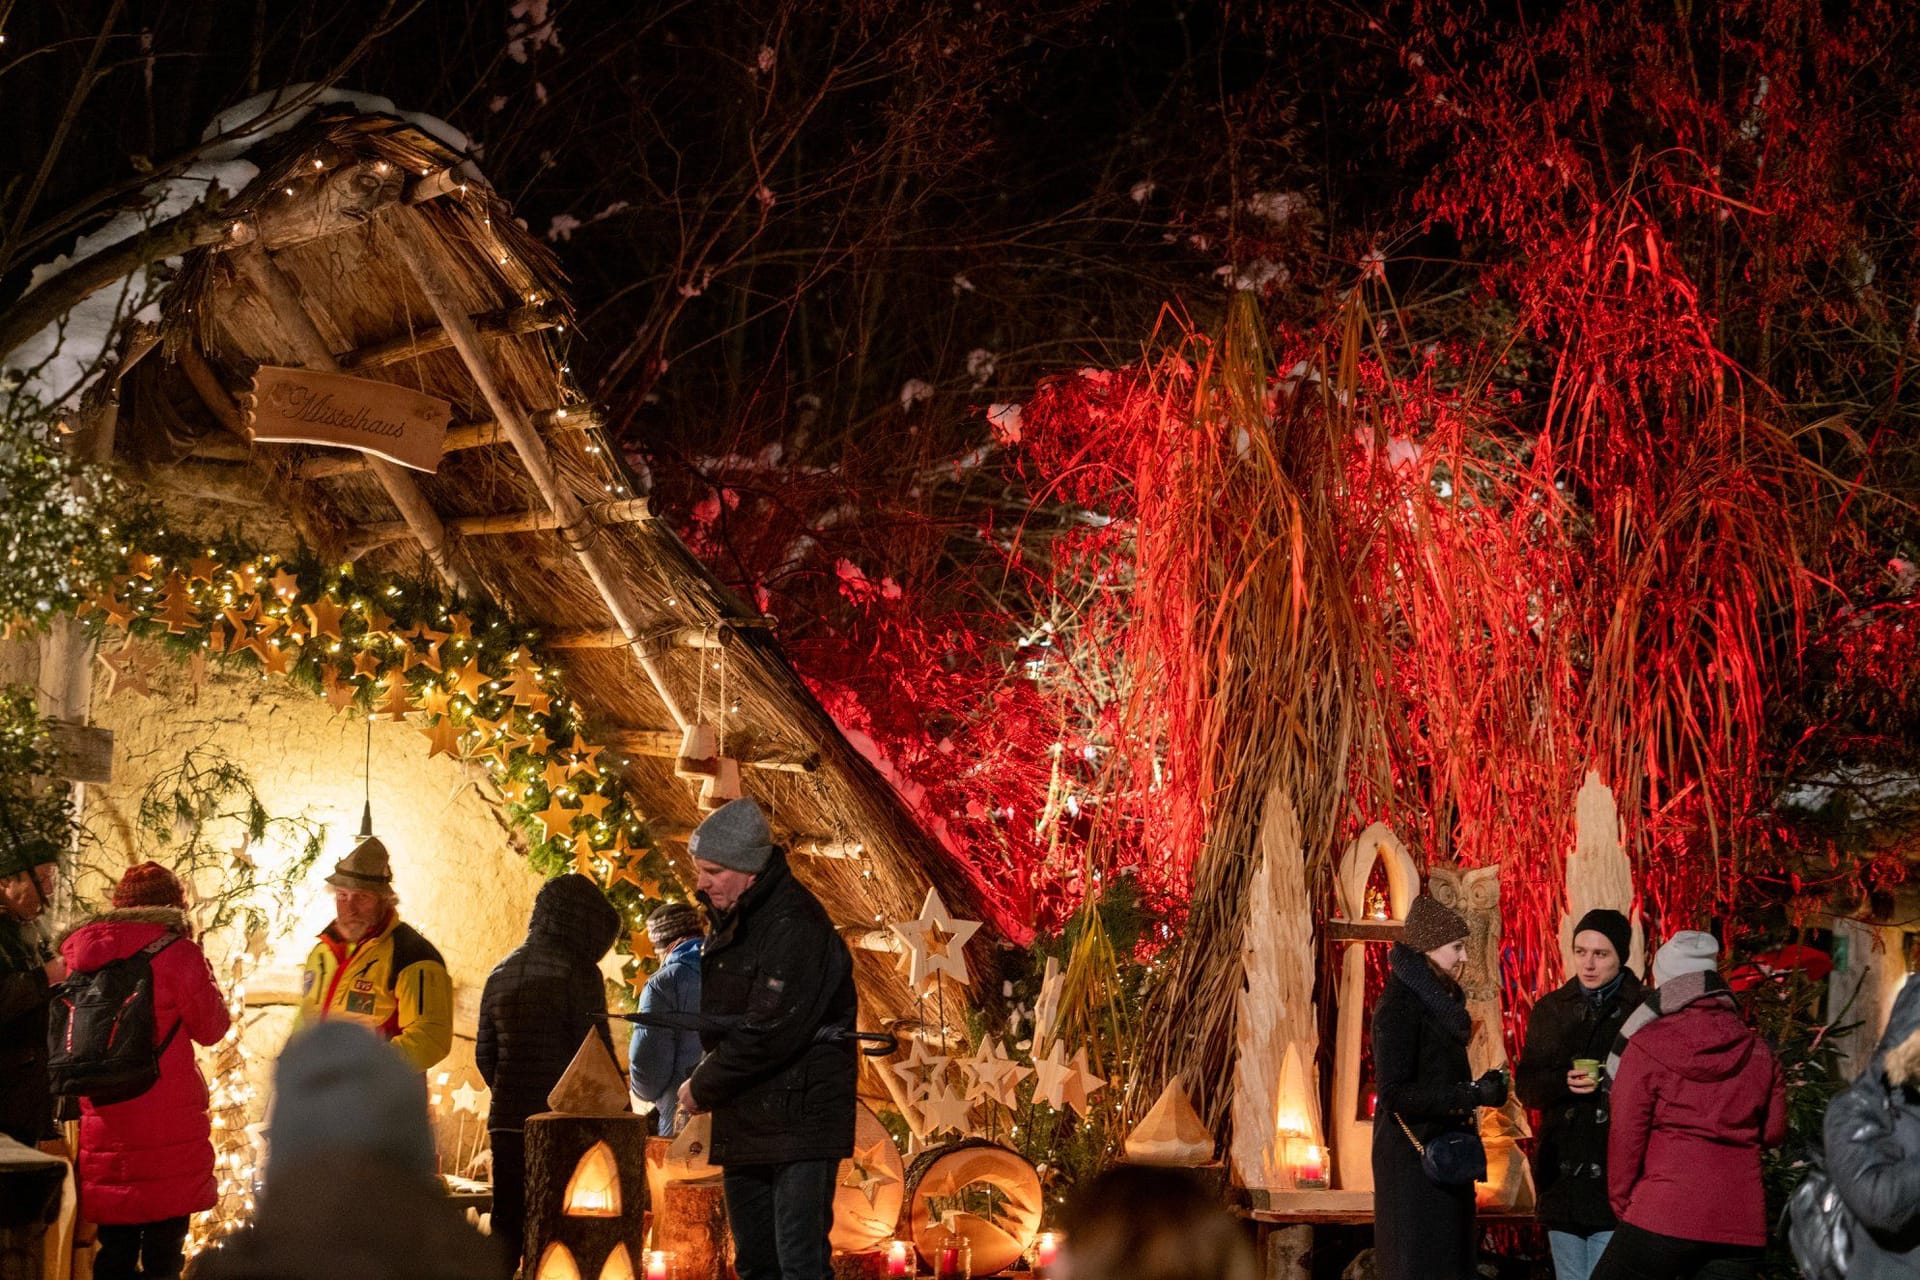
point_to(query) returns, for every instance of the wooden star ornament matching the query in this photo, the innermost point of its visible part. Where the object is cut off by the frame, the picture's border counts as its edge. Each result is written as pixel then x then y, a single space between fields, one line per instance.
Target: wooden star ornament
pixel 935 942
pixel 129 668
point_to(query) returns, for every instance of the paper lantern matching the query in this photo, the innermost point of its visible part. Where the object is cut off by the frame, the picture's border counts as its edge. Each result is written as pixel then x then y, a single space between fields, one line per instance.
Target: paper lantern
pixel 944 1173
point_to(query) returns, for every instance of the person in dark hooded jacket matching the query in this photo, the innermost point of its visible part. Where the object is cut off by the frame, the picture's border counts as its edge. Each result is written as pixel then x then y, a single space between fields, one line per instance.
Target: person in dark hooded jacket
pixel 536 1009
pixel 1578 1022
pixel 1873 1149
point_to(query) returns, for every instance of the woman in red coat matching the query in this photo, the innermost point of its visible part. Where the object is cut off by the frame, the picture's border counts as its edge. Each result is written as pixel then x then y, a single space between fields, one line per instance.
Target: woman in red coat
pixel 1696 1099
pixel 146 1164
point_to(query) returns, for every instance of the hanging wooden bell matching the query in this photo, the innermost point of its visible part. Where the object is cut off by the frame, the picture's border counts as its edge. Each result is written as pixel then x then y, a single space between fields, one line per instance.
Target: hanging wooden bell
pixel 723 786
pixel 699 752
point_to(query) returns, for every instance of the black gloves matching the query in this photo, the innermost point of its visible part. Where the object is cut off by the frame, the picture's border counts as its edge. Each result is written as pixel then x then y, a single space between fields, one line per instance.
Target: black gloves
pixel 1490 1090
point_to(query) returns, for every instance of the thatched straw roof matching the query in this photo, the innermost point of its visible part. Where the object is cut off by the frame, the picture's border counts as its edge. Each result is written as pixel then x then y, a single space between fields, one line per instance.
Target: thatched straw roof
pixel 334 256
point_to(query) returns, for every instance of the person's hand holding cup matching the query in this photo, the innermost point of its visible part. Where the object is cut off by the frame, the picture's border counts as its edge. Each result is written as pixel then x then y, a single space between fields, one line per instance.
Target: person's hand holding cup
pixel 1585 1076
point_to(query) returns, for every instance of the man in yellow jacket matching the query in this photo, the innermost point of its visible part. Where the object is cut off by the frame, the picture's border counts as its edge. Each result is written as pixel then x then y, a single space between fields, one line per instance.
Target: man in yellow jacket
pixel 371 969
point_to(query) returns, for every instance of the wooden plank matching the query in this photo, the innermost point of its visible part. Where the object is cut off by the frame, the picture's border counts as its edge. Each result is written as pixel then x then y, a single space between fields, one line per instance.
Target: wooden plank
pixel 212 392
pixel 594 554
pixel 1362 931
pixel 421 518
pixel 508 323
pixel 379 534
pixel 82 752
pixel 664 744
pixel 461 436
pixel 338 410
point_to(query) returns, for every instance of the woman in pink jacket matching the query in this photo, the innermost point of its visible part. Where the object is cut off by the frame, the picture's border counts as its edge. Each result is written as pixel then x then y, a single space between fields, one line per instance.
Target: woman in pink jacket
pixel 146 1164
pixel 1696 1099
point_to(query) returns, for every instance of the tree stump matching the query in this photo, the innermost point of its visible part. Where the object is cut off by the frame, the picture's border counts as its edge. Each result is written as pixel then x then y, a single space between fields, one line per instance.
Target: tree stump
pixel 559 1147
pixel 689 1218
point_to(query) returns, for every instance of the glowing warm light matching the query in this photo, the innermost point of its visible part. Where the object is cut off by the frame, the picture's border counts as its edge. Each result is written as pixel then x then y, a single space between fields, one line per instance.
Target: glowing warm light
pixel 659 1265
pixel 619 1265
pixel 594 1189
pixel 1311 1173
pixel 1046 1250
pixel 899 1258
pixel 556 1263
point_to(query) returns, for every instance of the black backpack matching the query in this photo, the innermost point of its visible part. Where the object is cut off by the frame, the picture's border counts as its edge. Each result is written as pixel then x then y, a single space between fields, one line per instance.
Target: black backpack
pixel 101 1038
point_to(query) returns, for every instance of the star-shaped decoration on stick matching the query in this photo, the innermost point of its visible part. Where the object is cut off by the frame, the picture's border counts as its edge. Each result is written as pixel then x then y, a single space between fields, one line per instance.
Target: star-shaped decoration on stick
pixel 919 1069
pixel 944 1109
pixel 935 942
pixel 467 1098
pixel 993 1075
pixel 1051 1075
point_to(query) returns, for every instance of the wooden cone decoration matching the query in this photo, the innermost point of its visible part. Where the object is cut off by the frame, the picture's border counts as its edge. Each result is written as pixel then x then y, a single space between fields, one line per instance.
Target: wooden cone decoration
pixel 592 1084
pixel 722 787
pixel 1172 1133
pixel 699 752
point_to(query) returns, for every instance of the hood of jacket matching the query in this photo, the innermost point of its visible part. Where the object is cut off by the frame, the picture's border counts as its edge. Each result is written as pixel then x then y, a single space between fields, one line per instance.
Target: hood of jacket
pixel 114 935
pixel 1898 1055
pixel 571 914
pixel 1705 1041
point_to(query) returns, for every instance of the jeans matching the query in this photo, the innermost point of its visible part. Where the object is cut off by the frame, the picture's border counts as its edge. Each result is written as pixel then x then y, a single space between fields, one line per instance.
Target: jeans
pixel 509 1213
pixel 1575 1256
pixel 149 1249
pixel 1635 1254
pixel 781 1215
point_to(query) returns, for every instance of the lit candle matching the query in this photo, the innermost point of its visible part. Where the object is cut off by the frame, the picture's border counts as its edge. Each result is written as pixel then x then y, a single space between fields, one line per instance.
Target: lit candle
pixel 1312 1174
pixel 659 1265
pixel 953 1260
pixel 1045 1250
pixel 899 1258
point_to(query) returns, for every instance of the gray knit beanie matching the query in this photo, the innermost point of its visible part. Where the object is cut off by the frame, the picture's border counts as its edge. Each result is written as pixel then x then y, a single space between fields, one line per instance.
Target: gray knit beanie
pixel 340 1095
pixel 1688 951
pixel 672 921
pixel 735 836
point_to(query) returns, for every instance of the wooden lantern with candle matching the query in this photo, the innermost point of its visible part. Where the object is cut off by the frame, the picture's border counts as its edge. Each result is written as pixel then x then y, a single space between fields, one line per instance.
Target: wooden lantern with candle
pixel 586 1174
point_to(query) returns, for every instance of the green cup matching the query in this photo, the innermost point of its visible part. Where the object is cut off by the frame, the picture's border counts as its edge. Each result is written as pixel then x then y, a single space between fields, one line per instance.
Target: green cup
pixel 1590 1067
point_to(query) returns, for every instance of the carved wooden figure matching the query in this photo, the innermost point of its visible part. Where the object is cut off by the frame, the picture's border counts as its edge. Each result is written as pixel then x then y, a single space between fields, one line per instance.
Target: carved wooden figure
pixel 1475 894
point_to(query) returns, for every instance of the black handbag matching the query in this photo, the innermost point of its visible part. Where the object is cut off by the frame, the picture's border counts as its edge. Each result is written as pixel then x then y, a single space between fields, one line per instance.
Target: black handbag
pixel 1453 1159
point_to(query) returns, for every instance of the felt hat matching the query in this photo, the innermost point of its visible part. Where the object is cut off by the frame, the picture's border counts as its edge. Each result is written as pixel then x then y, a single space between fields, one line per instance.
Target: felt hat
pixel 367 868
pixel 672 921
pixel 149 885
pixel 1611 925
pixel 1430 925
pixel 735 836
pixel 1688 951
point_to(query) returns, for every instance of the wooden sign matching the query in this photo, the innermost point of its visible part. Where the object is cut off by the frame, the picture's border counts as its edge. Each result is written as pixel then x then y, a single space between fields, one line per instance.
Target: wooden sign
pixel 307 406
pixel 83 752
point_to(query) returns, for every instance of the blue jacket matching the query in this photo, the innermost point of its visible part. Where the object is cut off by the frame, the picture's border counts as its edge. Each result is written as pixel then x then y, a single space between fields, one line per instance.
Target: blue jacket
pixel 661 1060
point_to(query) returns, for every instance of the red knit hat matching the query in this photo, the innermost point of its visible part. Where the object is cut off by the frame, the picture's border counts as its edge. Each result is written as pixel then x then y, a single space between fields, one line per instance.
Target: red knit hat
pixel 149 885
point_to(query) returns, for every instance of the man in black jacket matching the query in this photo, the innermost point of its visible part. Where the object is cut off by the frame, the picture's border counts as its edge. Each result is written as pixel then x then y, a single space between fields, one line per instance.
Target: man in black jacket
pixel 28 969
pixel 1578 1022
pixel 780 1086
pixel 537 1007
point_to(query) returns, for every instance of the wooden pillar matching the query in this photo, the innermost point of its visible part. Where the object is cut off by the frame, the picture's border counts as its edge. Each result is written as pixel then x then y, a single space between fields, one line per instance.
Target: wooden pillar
pixel 576 527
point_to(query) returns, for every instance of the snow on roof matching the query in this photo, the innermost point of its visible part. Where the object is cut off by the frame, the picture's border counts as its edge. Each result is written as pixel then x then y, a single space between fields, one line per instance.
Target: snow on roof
pixel 57 364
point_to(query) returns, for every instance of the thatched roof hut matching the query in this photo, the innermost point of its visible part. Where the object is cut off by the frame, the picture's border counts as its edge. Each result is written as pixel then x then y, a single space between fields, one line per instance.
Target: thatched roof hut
pixel 365 245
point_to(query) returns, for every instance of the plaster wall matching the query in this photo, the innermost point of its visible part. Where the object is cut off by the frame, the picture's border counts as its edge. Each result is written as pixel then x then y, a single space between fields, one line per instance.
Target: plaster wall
pixel 460 879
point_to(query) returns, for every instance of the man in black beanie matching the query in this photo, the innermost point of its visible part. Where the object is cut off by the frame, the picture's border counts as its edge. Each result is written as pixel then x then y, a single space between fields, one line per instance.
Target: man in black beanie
pixel 780 1084
pixel 1562 1077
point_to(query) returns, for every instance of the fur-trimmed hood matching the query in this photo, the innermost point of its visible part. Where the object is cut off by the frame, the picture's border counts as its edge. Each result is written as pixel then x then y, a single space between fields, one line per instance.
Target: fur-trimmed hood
pixel 1899 1051
pixel 172 918
pixel 116 934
